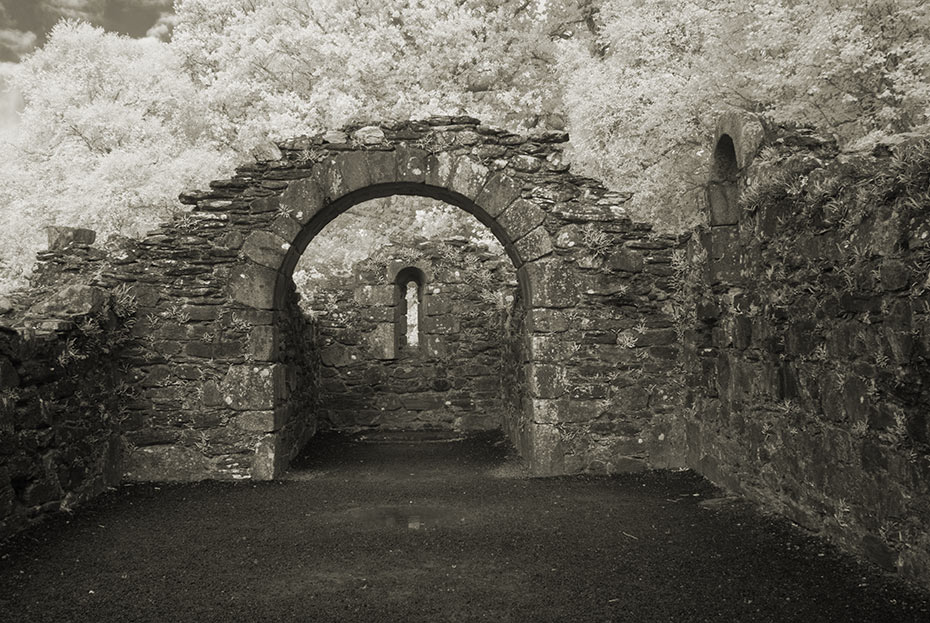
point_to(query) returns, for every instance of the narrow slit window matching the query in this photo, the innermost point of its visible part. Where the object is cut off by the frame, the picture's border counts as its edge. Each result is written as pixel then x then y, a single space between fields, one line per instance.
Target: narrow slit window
pixel 413 314
pixel 409 287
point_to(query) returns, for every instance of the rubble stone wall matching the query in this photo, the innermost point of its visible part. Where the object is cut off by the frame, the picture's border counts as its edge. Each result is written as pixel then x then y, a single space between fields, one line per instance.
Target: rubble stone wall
pixel 808 372
pixel 223 375
pixel 451 380
pixel 62 391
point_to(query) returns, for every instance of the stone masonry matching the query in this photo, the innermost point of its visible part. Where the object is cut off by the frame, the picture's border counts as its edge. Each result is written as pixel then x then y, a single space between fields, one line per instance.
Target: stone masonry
pixel 808 365
pixel 222 388
pixel 451 380
pixel 781 350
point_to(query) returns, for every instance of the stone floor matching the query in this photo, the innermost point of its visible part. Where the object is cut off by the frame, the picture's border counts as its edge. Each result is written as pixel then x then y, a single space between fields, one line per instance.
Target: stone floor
pixel 398 528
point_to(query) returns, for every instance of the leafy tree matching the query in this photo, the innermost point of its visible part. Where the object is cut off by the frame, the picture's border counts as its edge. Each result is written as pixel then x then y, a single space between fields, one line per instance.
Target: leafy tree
pixel 114 128
pixel 296 66
pixel 364 229
pixel 642 100
pixel 111 131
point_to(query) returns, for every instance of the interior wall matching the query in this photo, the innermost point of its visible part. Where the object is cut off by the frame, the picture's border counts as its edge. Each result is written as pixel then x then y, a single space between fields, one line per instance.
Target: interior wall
pixel 808 370
pixel 451 380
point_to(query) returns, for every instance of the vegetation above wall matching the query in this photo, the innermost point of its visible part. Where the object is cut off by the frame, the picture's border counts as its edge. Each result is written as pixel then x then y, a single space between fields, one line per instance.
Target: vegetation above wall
pixel 113 128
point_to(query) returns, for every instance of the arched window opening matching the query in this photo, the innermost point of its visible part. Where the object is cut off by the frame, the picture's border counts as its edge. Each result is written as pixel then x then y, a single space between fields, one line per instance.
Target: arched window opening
pixel 408 299
pixel 722 189
pixel 413 310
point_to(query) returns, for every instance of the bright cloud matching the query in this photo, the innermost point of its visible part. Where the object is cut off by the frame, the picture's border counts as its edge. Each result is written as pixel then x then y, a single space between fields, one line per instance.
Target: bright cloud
pixel 17 42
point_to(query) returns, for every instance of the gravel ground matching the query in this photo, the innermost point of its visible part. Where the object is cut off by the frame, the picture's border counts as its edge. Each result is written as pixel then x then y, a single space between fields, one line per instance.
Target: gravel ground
pixel 391 530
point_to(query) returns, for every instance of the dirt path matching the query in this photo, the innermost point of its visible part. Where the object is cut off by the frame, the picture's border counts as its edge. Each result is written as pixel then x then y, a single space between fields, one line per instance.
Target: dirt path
pixel 433 532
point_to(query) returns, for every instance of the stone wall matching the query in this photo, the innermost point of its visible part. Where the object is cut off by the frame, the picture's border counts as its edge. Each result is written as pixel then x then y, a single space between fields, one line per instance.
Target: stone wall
pixel 452 379
pixel 621 391
pixel 62 393
pixel 809 371
pixel 597 343
pixel 221 393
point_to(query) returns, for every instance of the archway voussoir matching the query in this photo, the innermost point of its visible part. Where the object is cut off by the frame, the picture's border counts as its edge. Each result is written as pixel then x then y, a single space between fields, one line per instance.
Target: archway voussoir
pixel 347 171
pixel 382 166
pixel 498 193
pixel 411 164
pixel 265 248
pixel 439 169
pixel 469 178
pixel 285 227
pixel 253 285
pixel 521 218
pixel 302 200
pixel 535 244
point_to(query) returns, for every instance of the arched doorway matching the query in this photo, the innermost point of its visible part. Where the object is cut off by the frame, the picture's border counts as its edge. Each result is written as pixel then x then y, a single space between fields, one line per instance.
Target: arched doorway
pixel 217 388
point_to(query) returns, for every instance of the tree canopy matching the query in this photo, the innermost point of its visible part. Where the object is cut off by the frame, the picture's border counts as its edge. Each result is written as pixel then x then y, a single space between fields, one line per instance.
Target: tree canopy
pixel 113 128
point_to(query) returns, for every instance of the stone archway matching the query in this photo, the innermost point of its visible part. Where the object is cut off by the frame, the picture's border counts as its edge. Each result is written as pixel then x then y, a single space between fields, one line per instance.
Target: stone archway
pixel 218 398
pixel 328 179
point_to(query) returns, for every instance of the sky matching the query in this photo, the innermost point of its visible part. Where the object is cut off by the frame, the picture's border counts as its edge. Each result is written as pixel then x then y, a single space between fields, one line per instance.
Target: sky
pixel 24 25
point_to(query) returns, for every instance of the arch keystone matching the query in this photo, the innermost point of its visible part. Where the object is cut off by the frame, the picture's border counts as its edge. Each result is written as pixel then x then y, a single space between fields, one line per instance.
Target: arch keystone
pixel 411 164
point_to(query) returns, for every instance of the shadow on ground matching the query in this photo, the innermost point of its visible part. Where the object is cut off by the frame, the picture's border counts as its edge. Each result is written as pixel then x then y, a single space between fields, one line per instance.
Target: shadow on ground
pixel 429 529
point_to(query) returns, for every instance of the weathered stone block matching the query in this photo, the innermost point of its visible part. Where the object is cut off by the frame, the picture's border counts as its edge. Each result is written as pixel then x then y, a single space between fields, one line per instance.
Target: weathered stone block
pixel 259 421
pixel 253 285
pixel 369 135
pixel 285 227
pixel 439 169
pixel 381 342
pixel 534 245
pixel 411 164
pixel 546 380
pixel 60 238
pixel 343 173
pixel 547 456
pixel 165 463
pixel 551 348
pixel 264 461
pixel 894 275
pixel 520 218
pixel 374 296
pixel 338 355
pixel 498 192
pixel 76 300
pixel 303 199
pixel 263 343
pixel 626 260
pixel 551 284
pixel 254 387
pixel 441 325
pixel 266 249
pixel 382 166
pixel 549 411
pixel 469 177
